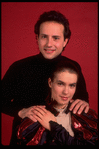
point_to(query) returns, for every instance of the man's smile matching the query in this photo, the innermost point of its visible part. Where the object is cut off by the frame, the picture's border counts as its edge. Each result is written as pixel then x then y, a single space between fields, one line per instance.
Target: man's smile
pixel 48 51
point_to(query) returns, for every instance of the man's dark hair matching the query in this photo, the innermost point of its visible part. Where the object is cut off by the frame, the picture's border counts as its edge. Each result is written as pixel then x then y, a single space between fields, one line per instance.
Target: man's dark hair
pixel 54 16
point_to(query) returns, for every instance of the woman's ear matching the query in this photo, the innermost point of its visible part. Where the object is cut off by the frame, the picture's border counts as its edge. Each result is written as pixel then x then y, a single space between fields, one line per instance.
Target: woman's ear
pixel 49 82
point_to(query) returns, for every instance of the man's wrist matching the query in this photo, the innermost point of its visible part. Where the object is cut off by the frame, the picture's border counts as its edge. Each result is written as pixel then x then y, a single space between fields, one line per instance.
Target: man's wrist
pixel 21 113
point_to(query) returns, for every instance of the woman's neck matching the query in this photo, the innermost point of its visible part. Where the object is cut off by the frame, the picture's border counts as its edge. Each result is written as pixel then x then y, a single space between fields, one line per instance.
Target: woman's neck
pixel 57 106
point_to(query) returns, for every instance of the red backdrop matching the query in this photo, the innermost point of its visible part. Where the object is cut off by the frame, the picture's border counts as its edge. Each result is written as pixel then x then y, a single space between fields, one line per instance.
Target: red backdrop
pixel 18 41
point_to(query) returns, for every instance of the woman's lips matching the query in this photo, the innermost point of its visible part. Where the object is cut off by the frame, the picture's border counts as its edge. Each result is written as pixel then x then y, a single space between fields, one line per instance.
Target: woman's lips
pixel 64 98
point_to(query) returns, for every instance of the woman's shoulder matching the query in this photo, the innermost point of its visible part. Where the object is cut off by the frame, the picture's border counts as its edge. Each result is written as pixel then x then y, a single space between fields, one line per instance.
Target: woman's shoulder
pixel 87 123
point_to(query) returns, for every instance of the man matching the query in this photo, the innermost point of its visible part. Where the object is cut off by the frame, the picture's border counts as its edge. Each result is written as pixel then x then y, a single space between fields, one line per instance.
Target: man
pixel 25 83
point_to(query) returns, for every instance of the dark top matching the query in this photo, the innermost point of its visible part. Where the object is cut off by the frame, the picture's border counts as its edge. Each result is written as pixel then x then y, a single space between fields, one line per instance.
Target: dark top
pixel 26 83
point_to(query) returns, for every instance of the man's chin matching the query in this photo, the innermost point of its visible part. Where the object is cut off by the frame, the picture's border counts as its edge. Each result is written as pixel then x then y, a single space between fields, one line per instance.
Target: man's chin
pixel 49 56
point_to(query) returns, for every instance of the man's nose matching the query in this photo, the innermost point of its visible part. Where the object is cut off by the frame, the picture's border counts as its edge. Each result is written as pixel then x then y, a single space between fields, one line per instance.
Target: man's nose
pixel 49 42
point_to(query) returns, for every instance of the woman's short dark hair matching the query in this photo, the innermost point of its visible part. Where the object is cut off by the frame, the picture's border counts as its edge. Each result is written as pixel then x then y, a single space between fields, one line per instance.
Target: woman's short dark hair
pixel 54 16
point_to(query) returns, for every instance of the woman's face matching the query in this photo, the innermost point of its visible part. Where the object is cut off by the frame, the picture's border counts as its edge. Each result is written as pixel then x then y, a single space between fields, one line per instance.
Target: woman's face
pixel 63 87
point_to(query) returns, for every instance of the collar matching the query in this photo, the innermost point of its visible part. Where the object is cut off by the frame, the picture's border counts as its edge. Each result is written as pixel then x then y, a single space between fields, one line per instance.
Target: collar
pixel 49 60
pixel 61 110
pixel 56 111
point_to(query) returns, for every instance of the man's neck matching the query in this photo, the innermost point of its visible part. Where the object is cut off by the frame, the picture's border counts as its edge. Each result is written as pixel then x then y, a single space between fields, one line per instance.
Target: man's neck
pixel 58 56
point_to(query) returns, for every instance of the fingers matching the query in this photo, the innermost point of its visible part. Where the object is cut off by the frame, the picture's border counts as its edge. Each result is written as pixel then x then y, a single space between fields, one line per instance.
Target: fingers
pixel 83 107
pixel 39 111
pixel 32 117
pixel 28 112
pixel 87 109
pixel 37 118
pixel 79 105
pixel 74 104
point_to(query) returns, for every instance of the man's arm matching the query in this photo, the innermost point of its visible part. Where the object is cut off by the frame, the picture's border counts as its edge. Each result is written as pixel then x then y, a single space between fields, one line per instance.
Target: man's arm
pixel 81 91
pixel 9 105
pixel 81 98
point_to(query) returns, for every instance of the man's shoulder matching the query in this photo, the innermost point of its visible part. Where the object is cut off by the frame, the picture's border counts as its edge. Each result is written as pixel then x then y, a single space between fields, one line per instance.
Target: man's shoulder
pixel 73 61
pixel 28 59
pixel 25 61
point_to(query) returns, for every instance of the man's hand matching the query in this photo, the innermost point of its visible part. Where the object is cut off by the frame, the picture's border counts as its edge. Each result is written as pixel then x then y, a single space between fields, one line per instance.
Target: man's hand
pixel 78 106
pixel 43 116
pixel 28 112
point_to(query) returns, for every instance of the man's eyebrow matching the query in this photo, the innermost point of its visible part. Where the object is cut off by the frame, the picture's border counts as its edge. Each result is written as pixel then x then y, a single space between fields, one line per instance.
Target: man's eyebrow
pixel 52 35
pixel 56 35
pixel 44 34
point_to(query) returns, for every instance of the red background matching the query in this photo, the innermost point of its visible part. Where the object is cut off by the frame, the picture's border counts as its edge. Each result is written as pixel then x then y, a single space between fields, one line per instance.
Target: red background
pixel 18 41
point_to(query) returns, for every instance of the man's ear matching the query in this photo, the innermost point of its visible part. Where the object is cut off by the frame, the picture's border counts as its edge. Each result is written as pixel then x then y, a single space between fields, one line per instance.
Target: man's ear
pixel 49 82
pixel 37 39
pixel 65 42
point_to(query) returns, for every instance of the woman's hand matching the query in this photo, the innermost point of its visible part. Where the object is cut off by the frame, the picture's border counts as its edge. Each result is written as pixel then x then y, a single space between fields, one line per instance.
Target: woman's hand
pixel 78 106
pixel 43 116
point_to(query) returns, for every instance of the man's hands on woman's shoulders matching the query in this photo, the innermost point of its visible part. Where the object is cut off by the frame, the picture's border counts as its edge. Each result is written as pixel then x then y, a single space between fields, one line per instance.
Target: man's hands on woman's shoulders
pixel 28 112
pixel 77 105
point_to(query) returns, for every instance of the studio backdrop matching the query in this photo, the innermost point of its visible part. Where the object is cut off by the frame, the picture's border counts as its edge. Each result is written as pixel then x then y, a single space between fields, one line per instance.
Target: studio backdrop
pixel 18 41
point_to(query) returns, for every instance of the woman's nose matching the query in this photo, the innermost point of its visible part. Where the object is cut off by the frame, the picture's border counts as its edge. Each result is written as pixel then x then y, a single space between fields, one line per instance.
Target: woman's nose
pixel 66 90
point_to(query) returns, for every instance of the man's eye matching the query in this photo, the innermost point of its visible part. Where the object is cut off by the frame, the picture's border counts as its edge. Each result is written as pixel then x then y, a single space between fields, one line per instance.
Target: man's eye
pixel 56 38
pixel 60 84
pixel 44 36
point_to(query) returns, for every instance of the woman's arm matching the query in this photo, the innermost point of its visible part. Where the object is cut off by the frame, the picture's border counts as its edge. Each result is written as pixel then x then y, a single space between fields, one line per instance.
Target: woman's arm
pixel 60 134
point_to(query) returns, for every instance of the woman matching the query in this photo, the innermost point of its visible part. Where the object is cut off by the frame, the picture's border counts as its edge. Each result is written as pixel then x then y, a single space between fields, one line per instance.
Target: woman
pixel 56 124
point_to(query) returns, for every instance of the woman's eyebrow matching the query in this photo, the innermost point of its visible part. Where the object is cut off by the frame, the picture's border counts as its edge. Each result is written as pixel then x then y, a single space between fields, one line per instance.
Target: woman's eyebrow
pixel 59 81
pixel 73 84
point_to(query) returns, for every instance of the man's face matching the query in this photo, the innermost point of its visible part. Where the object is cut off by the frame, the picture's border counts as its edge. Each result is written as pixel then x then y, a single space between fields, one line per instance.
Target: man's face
pixel 51 39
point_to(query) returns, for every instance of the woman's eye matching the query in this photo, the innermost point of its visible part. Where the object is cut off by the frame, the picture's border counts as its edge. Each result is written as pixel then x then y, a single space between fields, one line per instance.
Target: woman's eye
pixel 72 85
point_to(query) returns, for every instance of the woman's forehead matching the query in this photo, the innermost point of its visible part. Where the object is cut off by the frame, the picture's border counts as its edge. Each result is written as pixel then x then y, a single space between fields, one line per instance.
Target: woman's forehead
pixel 66 76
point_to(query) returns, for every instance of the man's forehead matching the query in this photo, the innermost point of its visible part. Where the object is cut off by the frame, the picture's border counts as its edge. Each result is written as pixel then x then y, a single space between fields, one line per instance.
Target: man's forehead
pixel 51 26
